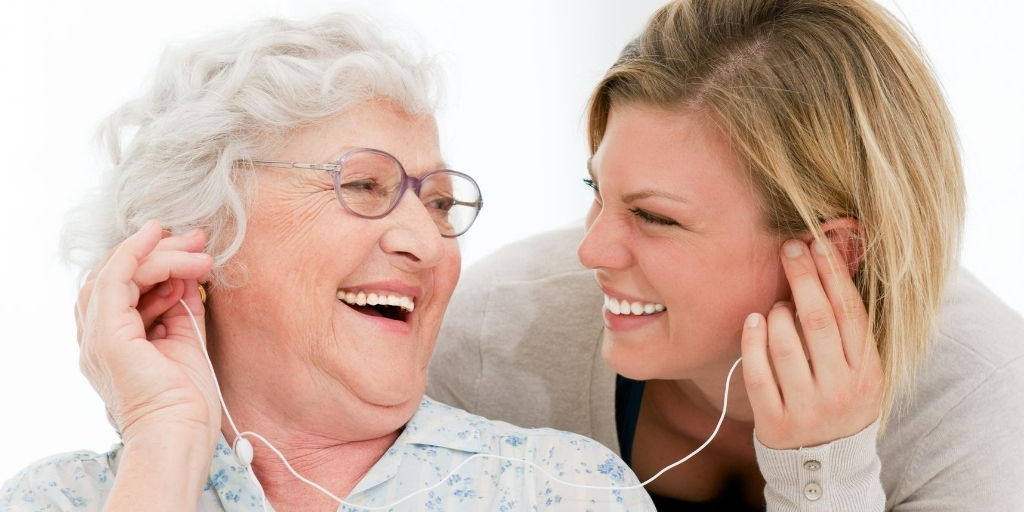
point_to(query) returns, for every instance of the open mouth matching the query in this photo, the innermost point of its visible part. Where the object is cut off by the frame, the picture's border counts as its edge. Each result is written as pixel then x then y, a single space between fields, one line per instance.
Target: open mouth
pixel 391 306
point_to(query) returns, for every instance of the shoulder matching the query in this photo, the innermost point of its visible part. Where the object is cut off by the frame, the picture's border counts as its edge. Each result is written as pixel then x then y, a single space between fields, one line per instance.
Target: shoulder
pixel 492 465
pixel 521 339
pixel 544 447
pixel 957 434
pixel 550 446
pixel 511 293
pixel 533 295
pixel 70 481
pixel 972 317
pixel 536 258
pixel 978 340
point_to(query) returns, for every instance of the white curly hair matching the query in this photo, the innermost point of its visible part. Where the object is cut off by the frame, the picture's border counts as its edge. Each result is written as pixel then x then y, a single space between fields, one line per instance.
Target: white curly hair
pixel 173 150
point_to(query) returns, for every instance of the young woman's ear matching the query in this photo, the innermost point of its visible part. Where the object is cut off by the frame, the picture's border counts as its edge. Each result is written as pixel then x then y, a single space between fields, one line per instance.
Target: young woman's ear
pixel 846 236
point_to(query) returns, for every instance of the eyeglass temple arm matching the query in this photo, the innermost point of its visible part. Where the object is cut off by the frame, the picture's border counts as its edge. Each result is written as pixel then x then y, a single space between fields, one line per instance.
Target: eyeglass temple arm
pixel 289 165
pixel 332 167
pixel 476 204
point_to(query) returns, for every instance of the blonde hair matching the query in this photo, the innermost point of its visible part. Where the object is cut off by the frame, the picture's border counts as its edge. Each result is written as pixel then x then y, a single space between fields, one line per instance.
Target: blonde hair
pixel 213 101
pixel 833 106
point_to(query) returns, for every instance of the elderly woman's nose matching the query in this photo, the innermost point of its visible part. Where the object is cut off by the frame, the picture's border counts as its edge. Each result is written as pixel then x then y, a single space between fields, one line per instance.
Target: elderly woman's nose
pixel 414 237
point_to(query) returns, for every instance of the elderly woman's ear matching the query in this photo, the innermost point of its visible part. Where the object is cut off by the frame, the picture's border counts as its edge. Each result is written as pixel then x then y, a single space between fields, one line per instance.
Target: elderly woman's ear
pixel 152 305
pixel 153 302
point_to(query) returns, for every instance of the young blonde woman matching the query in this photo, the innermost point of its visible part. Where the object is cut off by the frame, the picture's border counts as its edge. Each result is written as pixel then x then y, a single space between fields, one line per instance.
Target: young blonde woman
pixel 760 168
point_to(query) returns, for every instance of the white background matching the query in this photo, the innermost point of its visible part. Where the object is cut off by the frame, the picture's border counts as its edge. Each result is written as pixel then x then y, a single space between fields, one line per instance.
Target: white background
pixel 518 77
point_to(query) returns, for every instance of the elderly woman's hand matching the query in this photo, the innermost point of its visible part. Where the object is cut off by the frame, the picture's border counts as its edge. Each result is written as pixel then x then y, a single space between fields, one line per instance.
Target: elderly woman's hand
pixel 834 389
pixel 138 345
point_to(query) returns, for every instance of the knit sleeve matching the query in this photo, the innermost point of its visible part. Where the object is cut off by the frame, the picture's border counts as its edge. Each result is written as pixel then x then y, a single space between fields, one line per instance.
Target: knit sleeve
pixel 843 475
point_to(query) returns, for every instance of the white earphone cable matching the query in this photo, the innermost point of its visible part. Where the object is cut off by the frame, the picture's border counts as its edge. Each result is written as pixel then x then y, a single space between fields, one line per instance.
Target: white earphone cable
pixel 240 437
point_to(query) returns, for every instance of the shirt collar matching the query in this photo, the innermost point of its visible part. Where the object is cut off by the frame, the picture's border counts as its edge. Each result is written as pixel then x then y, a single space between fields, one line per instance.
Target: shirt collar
pixel 433 424
pixel 231 481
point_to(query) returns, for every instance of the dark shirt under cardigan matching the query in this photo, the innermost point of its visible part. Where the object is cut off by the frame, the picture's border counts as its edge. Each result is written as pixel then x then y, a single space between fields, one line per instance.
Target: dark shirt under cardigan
pixel 628 395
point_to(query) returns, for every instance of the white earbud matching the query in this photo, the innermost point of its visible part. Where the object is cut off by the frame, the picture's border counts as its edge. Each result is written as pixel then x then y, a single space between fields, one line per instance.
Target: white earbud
pixel 243 451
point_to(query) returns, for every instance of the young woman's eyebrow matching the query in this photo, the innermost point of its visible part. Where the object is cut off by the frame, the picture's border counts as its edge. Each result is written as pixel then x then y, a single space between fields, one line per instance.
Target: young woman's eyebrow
pixel 640 194
pixel 650 192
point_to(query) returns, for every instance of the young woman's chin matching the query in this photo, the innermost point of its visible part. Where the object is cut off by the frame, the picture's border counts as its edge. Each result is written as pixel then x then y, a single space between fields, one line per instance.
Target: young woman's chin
pixel 640 356
pixel 636 356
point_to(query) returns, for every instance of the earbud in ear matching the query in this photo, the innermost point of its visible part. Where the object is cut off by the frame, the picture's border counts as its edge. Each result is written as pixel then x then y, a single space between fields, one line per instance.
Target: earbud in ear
pixel 846 236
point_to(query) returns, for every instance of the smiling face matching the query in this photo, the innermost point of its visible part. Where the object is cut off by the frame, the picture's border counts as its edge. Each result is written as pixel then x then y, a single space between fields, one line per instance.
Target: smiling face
pixel 293 339
pixel 678 244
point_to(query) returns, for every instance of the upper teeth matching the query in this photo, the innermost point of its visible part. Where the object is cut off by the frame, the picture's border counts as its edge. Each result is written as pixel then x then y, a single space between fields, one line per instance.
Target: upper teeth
pixel 362 298
pixel 624 307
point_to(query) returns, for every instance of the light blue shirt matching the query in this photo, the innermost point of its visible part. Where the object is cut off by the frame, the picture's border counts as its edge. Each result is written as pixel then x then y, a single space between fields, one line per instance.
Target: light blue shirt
pixel 436 440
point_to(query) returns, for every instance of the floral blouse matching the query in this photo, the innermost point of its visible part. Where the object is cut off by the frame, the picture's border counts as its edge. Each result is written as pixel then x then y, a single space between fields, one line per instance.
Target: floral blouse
pixel 436 440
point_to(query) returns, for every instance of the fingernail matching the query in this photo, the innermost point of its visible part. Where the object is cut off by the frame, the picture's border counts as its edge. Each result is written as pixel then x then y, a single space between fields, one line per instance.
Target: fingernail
pixel 753 320
pixel 200 256
pixel 191 233
pixel 164 289
pixel 792 249
pixel 780 304
pixel 822 248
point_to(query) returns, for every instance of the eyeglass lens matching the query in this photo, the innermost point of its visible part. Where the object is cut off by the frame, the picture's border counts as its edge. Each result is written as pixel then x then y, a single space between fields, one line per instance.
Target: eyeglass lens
pixel 369 184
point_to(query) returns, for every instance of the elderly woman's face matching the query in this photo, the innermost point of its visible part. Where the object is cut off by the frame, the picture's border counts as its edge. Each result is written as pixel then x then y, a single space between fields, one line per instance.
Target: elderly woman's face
pixel 676 232
pixel 286 324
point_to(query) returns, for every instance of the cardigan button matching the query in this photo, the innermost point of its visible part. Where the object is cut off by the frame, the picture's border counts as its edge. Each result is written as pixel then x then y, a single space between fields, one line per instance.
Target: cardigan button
pixel 812 491
pixel 812 465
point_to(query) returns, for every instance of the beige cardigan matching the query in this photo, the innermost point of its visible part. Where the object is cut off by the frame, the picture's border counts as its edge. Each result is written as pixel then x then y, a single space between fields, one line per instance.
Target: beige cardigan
pixel 521 344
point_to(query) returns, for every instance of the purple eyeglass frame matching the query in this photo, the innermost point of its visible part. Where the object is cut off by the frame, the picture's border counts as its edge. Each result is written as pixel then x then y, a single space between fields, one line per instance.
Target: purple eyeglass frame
pixel 407 182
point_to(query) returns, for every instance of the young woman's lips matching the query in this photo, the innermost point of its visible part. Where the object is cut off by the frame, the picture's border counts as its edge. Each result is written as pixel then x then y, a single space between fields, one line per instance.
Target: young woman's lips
pixel 624 315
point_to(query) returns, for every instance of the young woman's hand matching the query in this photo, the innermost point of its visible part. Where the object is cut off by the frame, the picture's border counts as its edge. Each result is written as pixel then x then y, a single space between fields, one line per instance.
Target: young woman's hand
pixel 818 378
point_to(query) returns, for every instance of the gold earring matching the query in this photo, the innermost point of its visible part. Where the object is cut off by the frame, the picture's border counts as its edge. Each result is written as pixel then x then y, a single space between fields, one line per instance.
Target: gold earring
pixel 202 293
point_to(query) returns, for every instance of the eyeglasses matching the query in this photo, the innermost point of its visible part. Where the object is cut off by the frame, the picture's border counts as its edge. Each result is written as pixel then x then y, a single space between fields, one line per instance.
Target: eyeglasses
pixel 370 182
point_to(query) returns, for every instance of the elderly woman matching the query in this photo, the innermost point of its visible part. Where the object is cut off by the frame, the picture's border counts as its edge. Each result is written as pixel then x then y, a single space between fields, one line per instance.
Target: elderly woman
pixel 297 166
pixel 748 158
